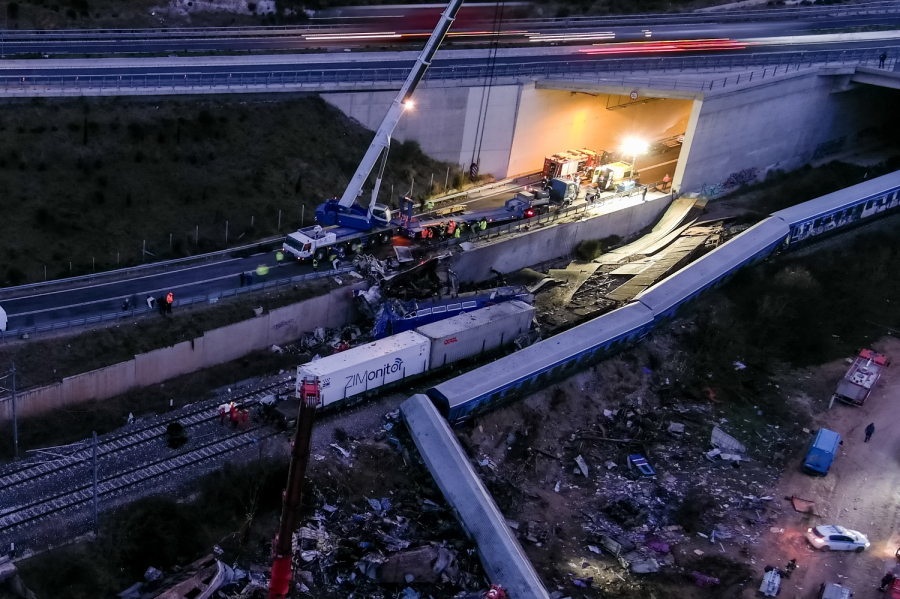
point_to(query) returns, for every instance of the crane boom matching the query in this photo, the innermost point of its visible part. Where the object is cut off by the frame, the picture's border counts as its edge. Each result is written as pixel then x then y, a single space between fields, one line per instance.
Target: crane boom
pixel 282 546
pixel 382 142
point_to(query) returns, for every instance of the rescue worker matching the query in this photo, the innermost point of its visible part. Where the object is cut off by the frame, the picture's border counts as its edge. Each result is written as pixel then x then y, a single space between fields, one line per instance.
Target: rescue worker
pixel 243 279
pixel 451 228
pixel 315 264
pixel 666 180
pixel 442 228
pixel 170 299
pixel 482 224
pixel 457 232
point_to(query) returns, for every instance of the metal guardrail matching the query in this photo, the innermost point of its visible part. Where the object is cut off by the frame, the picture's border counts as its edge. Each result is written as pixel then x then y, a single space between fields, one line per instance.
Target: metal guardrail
pixel 293 79
pixel 794 12
pixel 549 217
pixel 144 311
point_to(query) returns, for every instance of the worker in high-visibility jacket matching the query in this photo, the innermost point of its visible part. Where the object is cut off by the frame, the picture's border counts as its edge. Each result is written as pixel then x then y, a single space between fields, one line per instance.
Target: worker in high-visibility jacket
pixel 170 299
pixel 482 224
pixel 451 228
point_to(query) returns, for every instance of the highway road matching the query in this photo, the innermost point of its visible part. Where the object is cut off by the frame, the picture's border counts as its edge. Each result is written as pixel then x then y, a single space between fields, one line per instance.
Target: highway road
pixel 204 68
pixel 397 31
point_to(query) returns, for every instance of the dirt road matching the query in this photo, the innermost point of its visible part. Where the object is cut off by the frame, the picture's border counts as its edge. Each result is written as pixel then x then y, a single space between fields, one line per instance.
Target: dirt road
pixel 861 492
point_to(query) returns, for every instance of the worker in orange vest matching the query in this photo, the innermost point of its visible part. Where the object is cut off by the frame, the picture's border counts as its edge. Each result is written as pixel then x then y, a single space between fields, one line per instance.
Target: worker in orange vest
pixel 451 228
pixel 169 299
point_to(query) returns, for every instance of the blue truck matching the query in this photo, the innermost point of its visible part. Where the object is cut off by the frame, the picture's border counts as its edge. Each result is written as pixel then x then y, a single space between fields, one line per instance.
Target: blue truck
pixel 821 452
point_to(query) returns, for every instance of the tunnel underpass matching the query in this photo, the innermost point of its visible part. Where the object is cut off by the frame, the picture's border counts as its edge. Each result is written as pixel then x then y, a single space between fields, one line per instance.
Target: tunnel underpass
pixel 558 116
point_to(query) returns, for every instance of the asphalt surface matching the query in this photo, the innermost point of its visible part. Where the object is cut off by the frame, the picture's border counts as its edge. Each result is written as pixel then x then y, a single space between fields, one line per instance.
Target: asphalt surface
pixel 411 26
pixel 47 305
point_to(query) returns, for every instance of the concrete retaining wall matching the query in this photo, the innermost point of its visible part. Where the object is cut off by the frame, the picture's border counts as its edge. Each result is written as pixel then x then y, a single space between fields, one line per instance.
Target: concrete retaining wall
pixel 444 121
pixel 779 123
pixel 215 347
pixel 552 242
pixel 168 362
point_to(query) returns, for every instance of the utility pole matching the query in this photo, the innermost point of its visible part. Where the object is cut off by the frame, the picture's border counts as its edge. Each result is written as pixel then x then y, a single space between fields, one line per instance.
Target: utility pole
pixel 279 220
pixel 94 460
pixel 15 416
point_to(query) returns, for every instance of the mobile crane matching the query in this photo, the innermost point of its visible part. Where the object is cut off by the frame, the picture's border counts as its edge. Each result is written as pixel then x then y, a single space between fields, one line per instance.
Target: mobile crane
pixel 283 545
pixel 344 224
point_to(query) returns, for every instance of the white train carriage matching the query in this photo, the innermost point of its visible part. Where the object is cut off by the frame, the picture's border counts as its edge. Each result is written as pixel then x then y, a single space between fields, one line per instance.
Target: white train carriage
pixel 841 209
pixel 755 244
pixel 530 368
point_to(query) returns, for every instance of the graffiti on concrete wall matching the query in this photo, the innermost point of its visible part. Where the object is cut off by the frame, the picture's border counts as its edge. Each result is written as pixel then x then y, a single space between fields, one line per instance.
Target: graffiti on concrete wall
pixel 736 179
pixel 748 175
pixel 711 190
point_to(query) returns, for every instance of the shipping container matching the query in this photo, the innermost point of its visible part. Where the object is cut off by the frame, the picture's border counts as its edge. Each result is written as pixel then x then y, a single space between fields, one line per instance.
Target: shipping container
pixel 368 366
pixel 478 331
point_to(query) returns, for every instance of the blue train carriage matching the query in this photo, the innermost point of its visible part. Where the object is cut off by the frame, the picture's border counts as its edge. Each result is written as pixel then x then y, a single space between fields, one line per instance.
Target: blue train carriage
pixel 753 245
pixel 842 209
pixel 531 368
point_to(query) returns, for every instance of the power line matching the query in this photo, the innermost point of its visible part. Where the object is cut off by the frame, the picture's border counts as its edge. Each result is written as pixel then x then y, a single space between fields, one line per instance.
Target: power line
pixel 484 106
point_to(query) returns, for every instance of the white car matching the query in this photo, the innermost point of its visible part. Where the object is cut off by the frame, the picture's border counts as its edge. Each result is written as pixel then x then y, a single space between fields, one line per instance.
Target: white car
pixel 836 538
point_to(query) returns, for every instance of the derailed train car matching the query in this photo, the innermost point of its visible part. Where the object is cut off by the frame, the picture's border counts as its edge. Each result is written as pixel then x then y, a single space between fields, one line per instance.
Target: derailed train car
pixel 373 366
pixel 518 373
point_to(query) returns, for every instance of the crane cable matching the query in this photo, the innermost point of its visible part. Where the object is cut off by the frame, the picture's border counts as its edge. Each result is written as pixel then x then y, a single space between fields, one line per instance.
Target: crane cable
pixel 481 124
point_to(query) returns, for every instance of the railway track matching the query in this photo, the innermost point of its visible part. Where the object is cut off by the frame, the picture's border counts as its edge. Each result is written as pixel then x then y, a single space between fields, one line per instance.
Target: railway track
pixel 116 442
pixel 29 512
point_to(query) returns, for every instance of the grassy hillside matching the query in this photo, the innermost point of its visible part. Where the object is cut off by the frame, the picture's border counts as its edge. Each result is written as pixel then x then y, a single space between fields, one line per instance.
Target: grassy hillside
pixel 93 180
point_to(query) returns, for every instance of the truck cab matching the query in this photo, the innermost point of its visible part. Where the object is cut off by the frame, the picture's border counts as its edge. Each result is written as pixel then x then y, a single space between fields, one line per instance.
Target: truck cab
pixel 303 243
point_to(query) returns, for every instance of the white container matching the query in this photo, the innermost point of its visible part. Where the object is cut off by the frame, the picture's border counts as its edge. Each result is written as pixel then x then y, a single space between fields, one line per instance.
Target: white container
pixel 472 333
pixel 368 366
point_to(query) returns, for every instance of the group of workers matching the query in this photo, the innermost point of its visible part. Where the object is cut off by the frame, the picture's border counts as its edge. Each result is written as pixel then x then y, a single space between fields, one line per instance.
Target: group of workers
pixel 164 304
pixel 235 415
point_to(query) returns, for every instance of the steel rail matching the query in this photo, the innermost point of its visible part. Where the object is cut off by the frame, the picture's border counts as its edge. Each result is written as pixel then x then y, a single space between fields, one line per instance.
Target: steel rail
pixel 34 510
pixel 126 439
